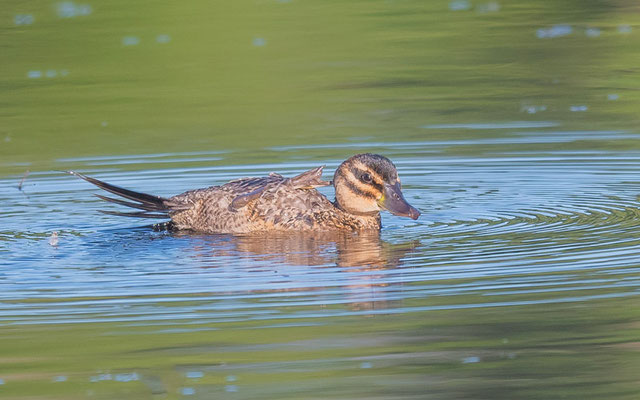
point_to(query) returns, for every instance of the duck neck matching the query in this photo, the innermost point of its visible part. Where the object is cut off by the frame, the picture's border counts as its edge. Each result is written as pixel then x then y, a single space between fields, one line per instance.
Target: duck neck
pixel 367 220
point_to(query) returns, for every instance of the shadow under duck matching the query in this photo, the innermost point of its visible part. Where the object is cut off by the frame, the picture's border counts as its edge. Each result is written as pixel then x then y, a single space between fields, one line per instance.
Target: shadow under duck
pixel 364 184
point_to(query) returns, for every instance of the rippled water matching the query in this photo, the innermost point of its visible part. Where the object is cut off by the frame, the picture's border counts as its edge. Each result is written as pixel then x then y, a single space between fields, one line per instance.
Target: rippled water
pixel 514 130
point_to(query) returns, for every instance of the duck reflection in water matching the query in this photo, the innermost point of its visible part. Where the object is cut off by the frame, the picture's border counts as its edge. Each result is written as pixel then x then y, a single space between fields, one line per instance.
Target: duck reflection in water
pixel 362 259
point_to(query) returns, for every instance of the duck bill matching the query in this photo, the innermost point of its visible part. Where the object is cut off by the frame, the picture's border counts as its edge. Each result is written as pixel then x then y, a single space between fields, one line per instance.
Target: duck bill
pixel 394 202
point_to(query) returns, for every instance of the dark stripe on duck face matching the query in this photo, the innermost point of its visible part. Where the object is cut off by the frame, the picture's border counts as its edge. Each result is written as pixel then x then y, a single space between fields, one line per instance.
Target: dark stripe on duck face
pixel 357 172
pixel 352 186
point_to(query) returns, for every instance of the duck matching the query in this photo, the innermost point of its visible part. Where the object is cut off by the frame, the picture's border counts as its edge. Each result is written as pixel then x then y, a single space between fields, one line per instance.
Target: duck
pixel 365 184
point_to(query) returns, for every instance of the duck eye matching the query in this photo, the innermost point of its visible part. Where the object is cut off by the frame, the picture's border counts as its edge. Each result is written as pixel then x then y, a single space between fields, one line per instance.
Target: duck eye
pixel 366 177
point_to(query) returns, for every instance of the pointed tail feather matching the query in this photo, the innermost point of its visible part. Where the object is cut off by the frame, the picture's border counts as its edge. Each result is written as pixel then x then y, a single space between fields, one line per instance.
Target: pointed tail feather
pixel 152 206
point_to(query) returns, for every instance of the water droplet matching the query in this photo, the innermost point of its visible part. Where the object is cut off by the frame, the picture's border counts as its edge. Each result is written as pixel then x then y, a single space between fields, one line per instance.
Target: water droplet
pixel 470 360
pixel 130 41
pixel 163 38
pixel 23 19
pixel 259 42
pixel 459 5
pixel 34 74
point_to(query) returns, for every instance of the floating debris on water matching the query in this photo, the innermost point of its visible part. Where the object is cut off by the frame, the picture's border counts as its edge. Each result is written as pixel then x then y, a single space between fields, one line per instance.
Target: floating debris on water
pixel 26 173
pixel 69 9
pixel 53 239
pixel 459 5
pixel 579 108
pixel 130 41
pixel 164 38
pixel 259 42
pixel 554 31
pixel 23 19
pixel 592 32
pixel 613 96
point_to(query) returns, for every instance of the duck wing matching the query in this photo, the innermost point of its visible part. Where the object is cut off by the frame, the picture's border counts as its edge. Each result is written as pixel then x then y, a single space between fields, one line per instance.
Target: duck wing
pixel 307 180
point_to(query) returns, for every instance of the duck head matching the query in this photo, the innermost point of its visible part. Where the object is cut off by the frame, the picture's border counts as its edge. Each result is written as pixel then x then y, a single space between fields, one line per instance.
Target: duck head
pixel 365 184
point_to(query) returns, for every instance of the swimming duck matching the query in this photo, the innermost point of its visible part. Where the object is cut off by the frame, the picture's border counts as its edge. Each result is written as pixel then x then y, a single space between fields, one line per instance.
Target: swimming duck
pixel 364 185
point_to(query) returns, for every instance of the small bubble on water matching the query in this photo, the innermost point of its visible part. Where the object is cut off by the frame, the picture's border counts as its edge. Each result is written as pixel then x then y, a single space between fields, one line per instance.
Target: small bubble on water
pixel 624 29
pixel 259 42
pixel 613 97
pixel 130 41
pixel 194 374
pixel 459 5
pixel 231 388
pixel 101 377
pixel 69 9
pixel 60 378
pixel 532 109
pixel 126 377
pixel 34 74
pixel 164 38
pixel 554 31
pixel 578 108
pixel 592 32
pixel 23 19
pixel 187 391
pixel 366 365
pixel 492 6
pixel 470 360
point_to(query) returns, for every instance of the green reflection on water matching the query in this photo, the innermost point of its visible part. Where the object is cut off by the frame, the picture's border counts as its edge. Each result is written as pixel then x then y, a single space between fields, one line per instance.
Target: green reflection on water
pixel 574 350
pixel 246 74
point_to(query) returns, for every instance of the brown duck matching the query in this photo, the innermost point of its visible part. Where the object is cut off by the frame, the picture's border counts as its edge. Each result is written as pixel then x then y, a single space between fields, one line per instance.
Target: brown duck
pixel 364 185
